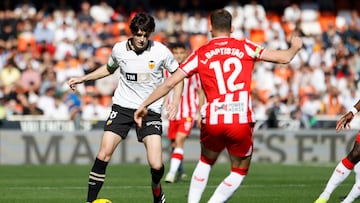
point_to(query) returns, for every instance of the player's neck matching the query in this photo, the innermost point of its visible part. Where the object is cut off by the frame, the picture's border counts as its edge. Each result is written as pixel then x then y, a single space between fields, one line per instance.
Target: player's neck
pixel 220 34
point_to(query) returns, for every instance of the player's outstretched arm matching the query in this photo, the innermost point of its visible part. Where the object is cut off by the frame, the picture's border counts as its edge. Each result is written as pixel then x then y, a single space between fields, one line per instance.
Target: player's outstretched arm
pixel 101 72
pixel 283 56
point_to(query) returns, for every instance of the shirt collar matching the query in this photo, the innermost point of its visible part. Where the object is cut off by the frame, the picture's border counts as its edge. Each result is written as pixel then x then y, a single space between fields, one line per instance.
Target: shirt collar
pixel 129 47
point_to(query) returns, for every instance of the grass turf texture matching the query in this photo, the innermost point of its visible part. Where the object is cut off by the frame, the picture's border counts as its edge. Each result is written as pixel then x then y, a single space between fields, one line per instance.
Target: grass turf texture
pixel 265 183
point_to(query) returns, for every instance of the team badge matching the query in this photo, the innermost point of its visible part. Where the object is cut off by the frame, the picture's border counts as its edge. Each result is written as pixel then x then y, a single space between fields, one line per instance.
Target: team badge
pixel 151 64
pixel 113 115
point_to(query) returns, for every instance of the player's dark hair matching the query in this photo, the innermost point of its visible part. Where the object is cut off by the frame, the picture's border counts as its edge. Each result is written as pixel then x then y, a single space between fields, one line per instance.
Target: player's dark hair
pixel 177 45
pixel 142 21
pixel 221 20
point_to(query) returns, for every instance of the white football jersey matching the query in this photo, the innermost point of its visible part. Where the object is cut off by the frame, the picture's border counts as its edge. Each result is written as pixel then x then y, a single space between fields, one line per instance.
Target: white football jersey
pixel 140 73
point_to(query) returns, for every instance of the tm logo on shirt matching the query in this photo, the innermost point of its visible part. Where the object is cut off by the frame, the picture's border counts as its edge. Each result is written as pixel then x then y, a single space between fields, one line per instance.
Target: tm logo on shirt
pixel 138 77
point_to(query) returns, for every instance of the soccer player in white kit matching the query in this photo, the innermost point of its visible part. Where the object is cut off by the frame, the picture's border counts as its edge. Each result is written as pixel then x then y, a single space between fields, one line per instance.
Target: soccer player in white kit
pixel 141 63
pixel 225 66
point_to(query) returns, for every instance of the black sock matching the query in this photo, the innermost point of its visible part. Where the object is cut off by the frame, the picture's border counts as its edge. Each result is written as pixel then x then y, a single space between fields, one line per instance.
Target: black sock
pixel 96 179
pixel 156 175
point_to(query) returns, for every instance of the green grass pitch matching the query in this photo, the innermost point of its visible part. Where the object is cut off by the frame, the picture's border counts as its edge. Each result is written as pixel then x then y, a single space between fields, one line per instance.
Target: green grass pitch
pixel 265 183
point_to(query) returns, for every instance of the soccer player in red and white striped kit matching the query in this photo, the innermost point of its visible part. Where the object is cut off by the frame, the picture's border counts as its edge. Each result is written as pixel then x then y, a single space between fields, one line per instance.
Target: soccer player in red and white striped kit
pixel 225 66
pixel 187 115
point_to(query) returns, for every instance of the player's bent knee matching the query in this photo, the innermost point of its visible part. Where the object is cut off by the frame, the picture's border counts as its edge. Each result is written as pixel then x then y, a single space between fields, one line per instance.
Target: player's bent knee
pixel 157 174
pixel 354 155
pixel 207 160
pixel 104 156
pixel 241 171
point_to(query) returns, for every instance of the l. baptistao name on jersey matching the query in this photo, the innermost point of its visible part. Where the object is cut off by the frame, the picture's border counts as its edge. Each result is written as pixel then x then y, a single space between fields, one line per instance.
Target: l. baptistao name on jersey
pixel 224 51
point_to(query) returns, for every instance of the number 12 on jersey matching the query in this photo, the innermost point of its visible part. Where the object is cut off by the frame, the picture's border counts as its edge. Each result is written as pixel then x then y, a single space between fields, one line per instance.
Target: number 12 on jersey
pixel 230 81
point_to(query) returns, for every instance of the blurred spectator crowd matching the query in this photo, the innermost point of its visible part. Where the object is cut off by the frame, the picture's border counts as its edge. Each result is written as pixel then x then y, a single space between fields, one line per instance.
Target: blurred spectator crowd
pixel 40 49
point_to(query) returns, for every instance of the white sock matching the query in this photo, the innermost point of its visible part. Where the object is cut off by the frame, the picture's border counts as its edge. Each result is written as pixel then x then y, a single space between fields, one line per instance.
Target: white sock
pixel 353 194
pixel 198 181
pixel 355 190
pixel 227 188
pixel 339 175
pixel 357 171
pixel 175 161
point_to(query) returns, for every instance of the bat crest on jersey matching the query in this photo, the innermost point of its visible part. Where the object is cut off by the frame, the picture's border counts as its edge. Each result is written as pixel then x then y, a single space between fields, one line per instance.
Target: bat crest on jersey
pixel 151 65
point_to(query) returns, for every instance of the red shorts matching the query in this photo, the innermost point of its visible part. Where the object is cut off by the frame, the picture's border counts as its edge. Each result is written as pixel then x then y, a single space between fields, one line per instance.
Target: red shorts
pixel 237 139
pixel 184 126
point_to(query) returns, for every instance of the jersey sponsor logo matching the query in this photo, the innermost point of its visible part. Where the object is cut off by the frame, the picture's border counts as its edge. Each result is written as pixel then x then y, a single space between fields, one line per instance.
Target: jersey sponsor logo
pixel 138 77
pixel 151 64
pixel 233 107
pixel 220 107
pixel 143 77
pixel 131 76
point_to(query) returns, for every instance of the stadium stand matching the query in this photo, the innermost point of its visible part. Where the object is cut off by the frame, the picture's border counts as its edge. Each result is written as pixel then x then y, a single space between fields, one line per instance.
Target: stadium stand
pixel 323 27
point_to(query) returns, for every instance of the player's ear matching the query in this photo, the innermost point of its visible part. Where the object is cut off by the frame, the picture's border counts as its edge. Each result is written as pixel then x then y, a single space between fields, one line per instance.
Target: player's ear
pixel 232 29
pixel 210 27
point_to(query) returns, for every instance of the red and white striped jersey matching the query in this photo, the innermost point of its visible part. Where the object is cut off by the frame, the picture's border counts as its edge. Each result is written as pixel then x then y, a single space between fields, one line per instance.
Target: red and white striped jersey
pixel 189 102
pixel 225 67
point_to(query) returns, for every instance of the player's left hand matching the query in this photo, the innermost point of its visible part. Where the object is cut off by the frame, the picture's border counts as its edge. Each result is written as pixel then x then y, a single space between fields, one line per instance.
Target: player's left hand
pixel 139 114
pixel 171 111
pixel 198 120
pixel 344 122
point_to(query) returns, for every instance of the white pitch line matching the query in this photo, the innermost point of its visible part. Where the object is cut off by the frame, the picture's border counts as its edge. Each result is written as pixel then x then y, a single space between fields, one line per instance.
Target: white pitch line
pixel 146 186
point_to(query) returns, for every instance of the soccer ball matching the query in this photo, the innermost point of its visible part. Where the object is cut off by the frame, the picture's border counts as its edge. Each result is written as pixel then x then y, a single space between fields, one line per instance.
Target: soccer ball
pixel 101 201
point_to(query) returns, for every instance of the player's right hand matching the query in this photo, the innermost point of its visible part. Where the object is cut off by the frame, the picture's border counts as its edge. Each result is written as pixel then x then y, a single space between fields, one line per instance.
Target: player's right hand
pixel 139 114
pixel 73 81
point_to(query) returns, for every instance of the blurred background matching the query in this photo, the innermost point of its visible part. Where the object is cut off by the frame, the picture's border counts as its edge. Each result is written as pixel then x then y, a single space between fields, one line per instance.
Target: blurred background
pixel 44 43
